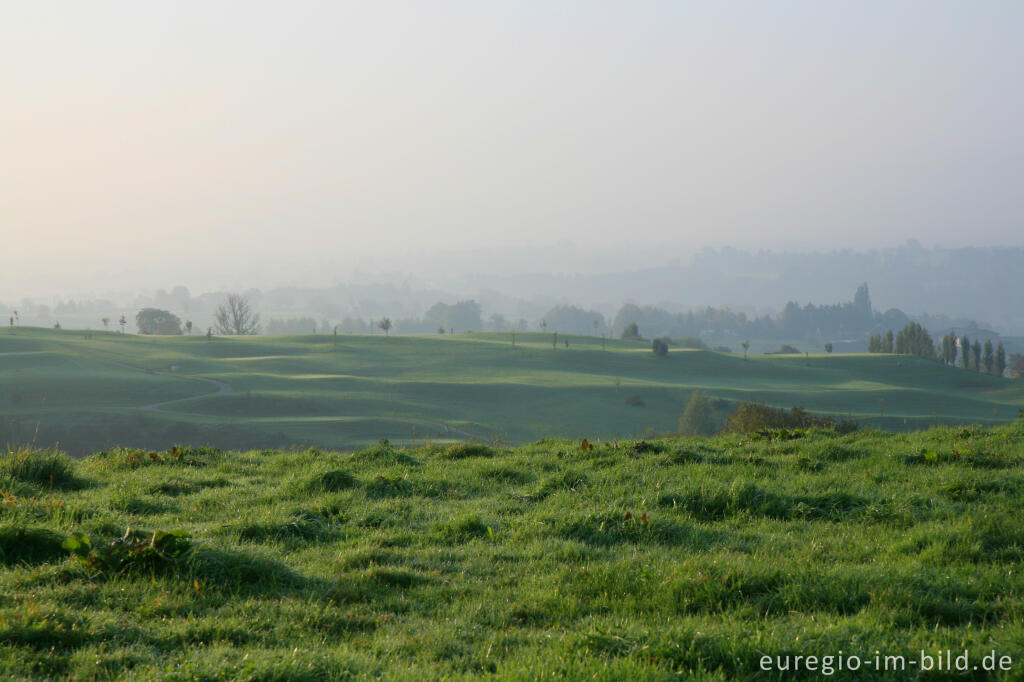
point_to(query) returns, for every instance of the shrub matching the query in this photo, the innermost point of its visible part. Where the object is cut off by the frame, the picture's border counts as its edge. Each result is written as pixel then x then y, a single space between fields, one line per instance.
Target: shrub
pixel 696 417
pixel 660 347
pixel 751 417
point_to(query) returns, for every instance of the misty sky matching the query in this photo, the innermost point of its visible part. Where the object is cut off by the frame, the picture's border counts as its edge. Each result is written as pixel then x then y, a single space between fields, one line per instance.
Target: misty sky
pixel 207 141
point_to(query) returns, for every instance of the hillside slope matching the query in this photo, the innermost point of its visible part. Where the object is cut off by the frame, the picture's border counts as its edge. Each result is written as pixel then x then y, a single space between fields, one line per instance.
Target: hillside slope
pixel 349 391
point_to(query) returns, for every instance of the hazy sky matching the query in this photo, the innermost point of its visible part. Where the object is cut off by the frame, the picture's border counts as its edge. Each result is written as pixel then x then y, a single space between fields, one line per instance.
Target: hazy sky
pixel 194 138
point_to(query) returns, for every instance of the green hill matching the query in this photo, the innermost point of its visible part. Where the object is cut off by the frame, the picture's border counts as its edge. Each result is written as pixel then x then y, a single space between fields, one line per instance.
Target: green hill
pixel 641 560
pixel 93 391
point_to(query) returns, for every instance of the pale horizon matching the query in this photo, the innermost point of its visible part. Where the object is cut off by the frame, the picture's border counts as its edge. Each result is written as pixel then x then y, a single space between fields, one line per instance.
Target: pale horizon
pixel 226 145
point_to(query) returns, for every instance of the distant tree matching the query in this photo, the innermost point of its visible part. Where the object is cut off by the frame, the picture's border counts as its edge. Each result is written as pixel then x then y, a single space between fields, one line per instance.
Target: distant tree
pixel 156 321
pixel 122 322
pixel 951 353
pixel 464 316
pixel 828 347
pixel 945 349
pixel 440 330
pixel 56 325
pixel 696 417
pixel 915 340
pixel 543 325
pixel 786 349
pixel 105 321
pixel 631 332
pixel 746 347
pixel 385 325
pixel 188 326
pixel 965 352
pixel 209 332
pixel 235 317
pixel 989 357
pixel 1000 360
pixel 874 343
pixel 887 347
pixel 976 353
pixel 660 347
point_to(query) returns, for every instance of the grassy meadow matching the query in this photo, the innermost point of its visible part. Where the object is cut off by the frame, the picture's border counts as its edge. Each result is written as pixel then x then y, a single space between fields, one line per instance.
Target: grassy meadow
pixel 636 559
pixel 92 391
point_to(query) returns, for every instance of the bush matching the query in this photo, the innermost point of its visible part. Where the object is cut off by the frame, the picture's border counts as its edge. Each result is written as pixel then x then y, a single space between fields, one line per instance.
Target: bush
pixel 786 349
pixel 696 417
pixel 750 417
pixel 660 347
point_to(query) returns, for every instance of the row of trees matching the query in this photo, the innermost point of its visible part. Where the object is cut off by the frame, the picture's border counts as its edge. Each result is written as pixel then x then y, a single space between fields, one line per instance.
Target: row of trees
pixel 915 340
pixel 985 358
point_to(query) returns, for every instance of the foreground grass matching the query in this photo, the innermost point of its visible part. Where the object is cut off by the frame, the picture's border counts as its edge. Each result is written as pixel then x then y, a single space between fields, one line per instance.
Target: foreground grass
pixel 638 560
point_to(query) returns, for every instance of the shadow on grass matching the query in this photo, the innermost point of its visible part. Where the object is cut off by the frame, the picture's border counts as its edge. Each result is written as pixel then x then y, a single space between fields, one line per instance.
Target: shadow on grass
pixel 747 499
pixel 608 530
pixel 27 545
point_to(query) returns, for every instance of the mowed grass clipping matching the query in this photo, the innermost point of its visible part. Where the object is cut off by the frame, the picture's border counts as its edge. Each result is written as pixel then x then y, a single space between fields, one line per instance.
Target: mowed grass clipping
pixel 631 560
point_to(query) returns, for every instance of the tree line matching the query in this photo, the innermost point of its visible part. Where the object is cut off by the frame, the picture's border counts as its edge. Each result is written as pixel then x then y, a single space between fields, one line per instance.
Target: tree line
pixel 952 350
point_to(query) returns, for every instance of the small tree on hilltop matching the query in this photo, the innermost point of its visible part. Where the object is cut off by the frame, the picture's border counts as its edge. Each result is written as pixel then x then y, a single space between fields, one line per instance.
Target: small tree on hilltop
pixel 156 321
pixel 828 347
pixel 188 326
pixel 660 347
pixel 122 323
pixel 631 332
pixel 235 317
pixel 746 347
pixel 385 325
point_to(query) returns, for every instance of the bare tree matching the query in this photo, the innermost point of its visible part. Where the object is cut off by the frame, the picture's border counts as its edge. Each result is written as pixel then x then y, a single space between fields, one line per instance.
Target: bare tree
pixel 746 347
pixel 385 324
pixel 235 317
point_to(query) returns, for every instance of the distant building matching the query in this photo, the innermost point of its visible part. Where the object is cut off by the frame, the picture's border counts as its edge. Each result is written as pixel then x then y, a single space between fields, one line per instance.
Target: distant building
pixel 979 335
pixel 1017 370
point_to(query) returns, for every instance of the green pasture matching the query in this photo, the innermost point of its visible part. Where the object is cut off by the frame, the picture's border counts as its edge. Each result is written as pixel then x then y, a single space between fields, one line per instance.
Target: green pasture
pixel 96 390
pixel 635 560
